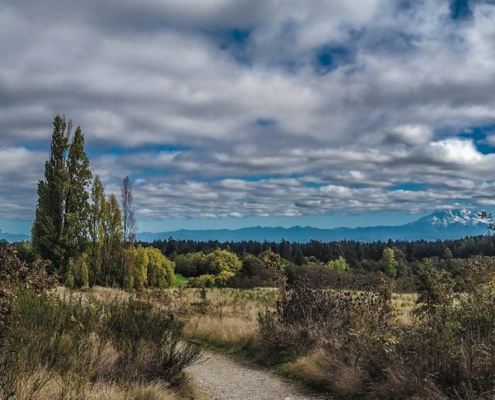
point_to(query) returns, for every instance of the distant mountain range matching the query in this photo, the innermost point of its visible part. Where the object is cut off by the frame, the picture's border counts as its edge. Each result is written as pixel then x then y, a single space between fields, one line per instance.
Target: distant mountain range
pixel 13 238
pixel 447 224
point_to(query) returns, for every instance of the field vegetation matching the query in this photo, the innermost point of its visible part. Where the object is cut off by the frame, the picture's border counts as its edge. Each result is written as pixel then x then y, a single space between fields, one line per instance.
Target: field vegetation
pixel 372 344
pixel 54 344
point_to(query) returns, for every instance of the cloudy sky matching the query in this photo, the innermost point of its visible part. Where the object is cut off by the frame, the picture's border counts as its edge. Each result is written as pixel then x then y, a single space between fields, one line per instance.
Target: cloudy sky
pixel 227 113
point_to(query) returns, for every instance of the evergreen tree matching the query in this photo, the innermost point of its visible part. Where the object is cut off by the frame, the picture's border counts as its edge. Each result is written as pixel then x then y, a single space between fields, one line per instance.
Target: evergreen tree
pixel 77 208
pixel 59 230
pixel 49 221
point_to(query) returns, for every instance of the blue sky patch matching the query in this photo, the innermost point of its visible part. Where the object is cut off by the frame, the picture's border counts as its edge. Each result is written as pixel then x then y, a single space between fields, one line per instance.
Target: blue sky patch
pixel 265 122
pixel 409 186
pixel 232 38
pixel 329 58
pixel 120 151
pixel 479 135
pixel 459 9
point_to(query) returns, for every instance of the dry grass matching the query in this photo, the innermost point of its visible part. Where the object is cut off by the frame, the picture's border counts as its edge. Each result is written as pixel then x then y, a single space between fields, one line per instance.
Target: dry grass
pixel 404 304
pixel 321 369
pixel 53 387
pixel 227 317
pixel 225 331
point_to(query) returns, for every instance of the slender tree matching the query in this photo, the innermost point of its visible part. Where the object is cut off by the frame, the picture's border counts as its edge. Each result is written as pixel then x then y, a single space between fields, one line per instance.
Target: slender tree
pixel 112 241
pixel 77 208
pixel 49 221
pixel 128 219
pixel 128 223
pixel 96 230
pixel 59 230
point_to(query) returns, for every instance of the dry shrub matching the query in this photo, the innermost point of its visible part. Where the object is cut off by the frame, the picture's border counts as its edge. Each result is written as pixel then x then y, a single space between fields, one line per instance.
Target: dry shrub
pixel 307 318
pixel 60 347
pixel 147 339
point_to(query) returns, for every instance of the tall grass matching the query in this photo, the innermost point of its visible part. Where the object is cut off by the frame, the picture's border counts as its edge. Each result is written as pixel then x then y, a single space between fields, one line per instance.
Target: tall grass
pixel 223 317
pixel 63 346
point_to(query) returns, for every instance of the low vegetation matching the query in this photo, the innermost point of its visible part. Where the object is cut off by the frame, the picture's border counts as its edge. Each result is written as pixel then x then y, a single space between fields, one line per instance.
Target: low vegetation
pixel 375 344
pixel 54 344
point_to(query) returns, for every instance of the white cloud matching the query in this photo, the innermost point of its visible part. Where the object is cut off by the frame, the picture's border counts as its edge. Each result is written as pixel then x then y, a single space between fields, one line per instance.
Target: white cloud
pixel 454 151
pixel 214 124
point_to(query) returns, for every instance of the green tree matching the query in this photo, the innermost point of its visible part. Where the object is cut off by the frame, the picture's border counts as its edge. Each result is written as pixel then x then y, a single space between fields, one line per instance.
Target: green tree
pixel 326 253
pixel 77 208
pixel 222 260
pixel 49 220
pixel 299 258
pixel 141 268
pixel 160 270
pixel 112 242
pixel 96 230
pixel 388 262
pixel 340 265
pixel 191 264
pixel 60 227
pixel 285 250
pixel 271 260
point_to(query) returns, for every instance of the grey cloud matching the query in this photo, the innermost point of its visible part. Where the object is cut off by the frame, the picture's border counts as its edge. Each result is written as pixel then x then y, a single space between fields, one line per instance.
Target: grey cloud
pixel 154 75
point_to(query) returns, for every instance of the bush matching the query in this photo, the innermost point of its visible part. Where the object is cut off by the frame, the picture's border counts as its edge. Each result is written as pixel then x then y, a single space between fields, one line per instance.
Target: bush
pixel 202 281
pixel 307 318
pixel 71 344
pixel 148 342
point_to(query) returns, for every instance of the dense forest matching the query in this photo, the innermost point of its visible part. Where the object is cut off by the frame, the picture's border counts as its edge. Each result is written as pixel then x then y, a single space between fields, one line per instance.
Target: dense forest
pixel 353 251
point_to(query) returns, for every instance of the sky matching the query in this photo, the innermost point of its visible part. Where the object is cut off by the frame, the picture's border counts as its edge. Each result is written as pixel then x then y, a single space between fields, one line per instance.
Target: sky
pixel 232 113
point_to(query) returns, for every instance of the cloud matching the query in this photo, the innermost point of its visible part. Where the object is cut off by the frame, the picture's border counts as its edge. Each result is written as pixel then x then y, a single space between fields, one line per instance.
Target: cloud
pixel 254 108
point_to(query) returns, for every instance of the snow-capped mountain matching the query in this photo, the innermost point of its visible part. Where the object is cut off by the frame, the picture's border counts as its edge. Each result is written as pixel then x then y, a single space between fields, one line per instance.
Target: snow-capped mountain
pixel 446 218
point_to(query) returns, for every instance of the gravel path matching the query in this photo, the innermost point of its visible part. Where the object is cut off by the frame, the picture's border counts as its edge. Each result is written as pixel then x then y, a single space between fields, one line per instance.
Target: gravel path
pixel 216 377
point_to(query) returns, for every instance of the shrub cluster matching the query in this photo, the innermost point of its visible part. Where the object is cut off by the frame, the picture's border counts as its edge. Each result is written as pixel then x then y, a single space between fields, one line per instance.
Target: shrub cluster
pixel 54 345
pixel 353 345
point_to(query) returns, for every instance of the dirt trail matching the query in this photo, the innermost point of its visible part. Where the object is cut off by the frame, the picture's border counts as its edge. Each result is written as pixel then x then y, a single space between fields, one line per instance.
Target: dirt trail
pixel 216 377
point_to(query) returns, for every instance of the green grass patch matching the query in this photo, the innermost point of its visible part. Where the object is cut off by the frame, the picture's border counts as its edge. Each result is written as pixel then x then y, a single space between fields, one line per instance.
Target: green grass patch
pixel 180 281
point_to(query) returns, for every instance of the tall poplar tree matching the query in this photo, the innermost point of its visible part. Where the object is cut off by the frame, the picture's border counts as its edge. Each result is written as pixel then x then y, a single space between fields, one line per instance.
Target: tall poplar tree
pixel 112 242
pixel 128 218
pixel 77 208
pixel 96 230
pixel 128 223
pixel 60 227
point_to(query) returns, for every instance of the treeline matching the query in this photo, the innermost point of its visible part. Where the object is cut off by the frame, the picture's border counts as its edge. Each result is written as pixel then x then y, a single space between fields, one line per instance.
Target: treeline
pixel 343 264
pixel 353 251
pixel 88 238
